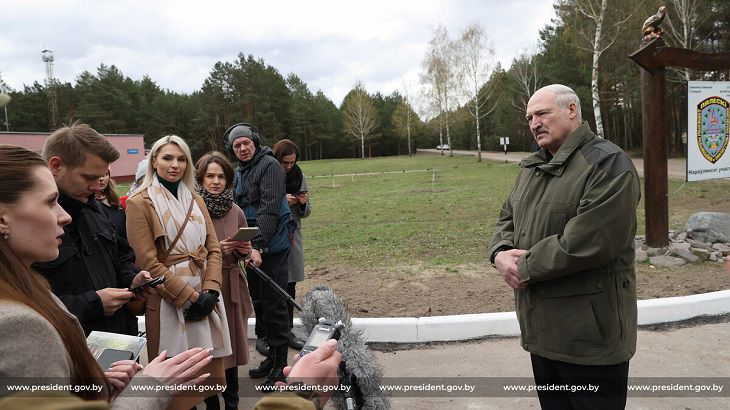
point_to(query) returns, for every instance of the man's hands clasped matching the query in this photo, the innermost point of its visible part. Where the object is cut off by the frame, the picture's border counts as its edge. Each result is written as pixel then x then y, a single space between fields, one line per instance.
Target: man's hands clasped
pixel 506 264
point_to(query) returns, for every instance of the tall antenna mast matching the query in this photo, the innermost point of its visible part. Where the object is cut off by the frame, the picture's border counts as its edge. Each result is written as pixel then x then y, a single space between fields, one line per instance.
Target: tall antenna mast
pixel 47 56
pixel 3 90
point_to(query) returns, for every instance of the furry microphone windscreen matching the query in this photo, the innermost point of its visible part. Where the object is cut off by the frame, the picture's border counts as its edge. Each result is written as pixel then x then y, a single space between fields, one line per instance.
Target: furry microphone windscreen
pixel 322 301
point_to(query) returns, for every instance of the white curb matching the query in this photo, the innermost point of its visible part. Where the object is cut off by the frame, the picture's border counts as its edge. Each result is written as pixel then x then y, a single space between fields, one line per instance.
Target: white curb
pixel 464 327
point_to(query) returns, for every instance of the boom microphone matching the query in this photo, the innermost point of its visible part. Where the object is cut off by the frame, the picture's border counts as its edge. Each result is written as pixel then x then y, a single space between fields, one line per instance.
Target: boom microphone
pixel 358 360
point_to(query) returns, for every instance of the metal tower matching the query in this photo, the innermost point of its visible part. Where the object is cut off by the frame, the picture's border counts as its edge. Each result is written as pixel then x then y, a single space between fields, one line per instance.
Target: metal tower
pixel 47 56
pixel 3 90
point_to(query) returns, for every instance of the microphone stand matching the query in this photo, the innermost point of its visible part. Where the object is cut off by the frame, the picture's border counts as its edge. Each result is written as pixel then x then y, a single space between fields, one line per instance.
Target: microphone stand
pixel 266 278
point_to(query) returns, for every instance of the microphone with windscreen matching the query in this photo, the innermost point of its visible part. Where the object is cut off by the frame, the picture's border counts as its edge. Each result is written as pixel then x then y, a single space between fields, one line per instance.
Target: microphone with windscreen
pixel 359 368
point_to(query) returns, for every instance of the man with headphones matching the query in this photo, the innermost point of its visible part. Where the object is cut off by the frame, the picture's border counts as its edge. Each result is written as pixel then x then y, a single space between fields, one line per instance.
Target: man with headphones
pixel 260 192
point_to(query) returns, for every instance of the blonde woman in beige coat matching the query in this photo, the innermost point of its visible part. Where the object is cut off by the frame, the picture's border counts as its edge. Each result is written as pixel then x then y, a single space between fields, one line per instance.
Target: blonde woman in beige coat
pixel 172 235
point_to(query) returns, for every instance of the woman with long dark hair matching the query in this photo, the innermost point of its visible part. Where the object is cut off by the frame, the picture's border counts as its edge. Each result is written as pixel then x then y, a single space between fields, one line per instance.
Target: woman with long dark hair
pixel 297 196
pixel 107 195
pixel 42 342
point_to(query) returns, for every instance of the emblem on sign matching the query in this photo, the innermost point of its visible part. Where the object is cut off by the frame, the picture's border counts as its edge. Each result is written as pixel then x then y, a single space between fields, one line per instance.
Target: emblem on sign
pixel 713 129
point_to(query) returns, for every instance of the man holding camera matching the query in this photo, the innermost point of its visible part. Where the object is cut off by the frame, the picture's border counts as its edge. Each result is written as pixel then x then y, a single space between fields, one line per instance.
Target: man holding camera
pixel 95 266
pixel 565 243
pixel 260 192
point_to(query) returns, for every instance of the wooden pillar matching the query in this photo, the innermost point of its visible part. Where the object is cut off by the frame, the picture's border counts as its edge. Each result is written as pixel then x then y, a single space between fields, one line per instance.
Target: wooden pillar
pixel 654 129
pixel 653 57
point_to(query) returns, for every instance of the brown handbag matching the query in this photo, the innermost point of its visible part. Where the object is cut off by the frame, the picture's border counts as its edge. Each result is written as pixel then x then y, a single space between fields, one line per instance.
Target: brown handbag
pixel 137 307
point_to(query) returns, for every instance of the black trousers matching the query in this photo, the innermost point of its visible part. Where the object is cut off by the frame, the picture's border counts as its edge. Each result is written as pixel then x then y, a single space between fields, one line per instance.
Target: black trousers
pixel 272 315
pixel 564 385
pixel 230 394
pixel 291 289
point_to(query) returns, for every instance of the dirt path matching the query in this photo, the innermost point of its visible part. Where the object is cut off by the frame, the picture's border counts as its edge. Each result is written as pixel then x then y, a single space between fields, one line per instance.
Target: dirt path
pixel 475 289
pixel 418 290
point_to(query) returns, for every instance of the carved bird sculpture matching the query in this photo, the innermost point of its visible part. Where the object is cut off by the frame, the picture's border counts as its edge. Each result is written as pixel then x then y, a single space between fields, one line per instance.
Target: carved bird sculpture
pixel 651 27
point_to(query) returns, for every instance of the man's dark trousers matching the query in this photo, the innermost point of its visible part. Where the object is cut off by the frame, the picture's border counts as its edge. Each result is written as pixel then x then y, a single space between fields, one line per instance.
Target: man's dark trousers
pixel 551 374
pixel 272 314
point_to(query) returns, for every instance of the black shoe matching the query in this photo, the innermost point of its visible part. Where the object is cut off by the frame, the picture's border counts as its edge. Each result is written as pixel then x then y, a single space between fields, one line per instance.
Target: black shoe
pixel 212 403
pixel 276 375
pixel 277 372
pixel 295 342
pixel 231 404
pixel 262 347
pixel 263 370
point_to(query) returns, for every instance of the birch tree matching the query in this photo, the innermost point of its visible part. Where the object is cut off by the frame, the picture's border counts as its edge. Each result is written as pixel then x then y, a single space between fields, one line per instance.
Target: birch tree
pixel 683 34
pixel 475 59
pixel 405 115
pixel 599 40
pixel 404 119
pixel 360 117
pixel 431 109
pixel 440 75
pixel 524 71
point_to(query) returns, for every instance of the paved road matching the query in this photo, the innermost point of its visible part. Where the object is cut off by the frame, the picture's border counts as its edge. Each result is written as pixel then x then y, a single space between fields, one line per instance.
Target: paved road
pixel 696 354
pixel 677 167
pixel 679 356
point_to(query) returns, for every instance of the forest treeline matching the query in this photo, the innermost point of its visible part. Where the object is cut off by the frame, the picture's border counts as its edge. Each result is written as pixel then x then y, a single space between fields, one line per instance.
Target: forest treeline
pixel 464 96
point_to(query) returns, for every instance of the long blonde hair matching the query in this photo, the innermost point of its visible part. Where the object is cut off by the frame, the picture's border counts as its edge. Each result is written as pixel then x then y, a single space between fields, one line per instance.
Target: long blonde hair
pixel 188 177
pixel 20 284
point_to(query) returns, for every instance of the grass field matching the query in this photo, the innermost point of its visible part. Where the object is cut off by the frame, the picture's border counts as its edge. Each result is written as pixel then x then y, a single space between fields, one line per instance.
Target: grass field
pixel 440 215
pixel 398 218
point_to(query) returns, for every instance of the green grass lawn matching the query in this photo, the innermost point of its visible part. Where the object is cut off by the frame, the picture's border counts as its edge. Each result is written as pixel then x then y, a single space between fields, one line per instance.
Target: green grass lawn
pixel 379 220
pixel 407 218
pixel 122 188
pixel 440 217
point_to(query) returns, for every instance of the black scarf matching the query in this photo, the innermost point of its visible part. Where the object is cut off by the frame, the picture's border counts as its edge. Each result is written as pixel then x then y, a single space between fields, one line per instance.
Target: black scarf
pixel 218 204
pixel 170 186
pixel 294 180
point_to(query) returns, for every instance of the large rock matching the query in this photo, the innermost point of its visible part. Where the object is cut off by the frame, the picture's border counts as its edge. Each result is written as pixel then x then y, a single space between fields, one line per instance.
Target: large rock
pixel 675 246
pixel 722 247
pixel 709 227
pixel 684 254
pixel 663 261
pixel 698 244
pixel 701 253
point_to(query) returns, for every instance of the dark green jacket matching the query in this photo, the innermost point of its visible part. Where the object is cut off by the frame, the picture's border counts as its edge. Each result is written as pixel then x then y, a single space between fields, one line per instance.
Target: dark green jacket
pixel 575 213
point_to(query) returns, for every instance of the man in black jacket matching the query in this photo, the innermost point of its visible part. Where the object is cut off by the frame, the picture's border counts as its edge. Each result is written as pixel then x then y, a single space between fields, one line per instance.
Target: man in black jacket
pixel 261 194
pixel 95 266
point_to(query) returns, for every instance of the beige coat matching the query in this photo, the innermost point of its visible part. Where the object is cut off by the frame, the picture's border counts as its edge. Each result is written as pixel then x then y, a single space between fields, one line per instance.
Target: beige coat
pixel 235 291
pixel 146 236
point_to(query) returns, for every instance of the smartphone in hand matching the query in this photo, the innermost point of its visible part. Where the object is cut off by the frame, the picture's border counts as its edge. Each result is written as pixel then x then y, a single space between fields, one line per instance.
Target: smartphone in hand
pixel 152 282
pixel 245 234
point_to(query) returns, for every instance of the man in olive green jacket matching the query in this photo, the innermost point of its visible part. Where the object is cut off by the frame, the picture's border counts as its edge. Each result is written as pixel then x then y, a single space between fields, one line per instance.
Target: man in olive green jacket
pixel 565 243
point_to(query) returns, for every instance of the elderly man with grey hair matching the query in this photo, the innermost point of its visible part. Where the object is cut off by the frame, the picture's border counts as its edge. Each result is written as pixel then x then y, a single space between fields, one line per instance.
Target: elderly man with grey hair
pixel 564 243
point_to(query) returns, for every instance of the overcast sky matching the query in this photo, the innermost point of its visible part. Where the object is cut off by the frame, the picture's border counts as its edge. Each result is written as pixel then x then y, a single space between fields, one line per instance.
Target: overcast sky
pixel 328 44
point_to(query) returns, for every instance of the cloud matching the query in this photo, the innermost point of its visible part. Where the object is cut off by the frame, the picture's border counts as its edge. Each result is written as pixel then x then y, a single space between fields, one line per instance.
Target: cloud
pixel 329 44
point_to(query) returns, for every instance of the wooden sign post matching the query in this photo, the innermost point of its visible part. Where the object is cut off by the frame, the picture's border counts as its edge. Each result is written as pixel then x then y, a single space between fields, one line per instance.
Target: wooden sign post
pixel 653 57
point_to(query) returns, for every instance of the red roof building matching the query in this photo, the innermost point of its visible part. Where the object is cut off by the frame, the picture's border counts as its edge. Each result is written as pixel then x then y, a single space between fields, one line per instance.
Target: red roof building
pixel 130 147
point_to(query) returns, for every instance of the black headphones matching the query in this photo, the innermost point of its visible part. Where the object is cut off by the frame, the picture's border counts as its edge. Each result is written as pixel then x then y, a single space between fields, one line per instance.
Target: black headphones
pixel 253 132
